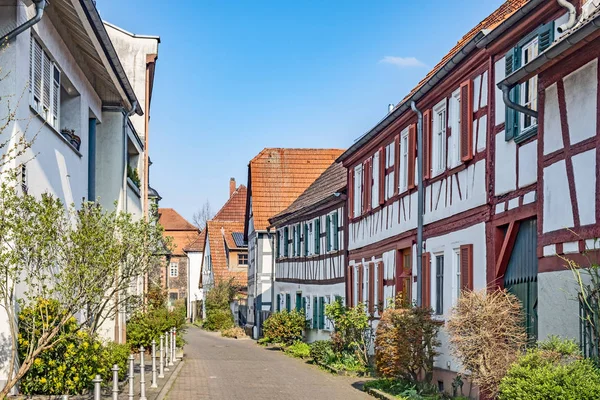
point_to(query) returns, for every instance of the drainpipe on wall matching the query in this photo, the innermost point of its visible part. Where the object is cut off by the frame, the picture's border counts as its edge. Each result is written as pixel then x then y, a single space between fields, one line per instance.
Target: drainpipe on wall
pixel 572 16
pixel 420 200
pixel 272 239
pixel 40 5
pixel 511 104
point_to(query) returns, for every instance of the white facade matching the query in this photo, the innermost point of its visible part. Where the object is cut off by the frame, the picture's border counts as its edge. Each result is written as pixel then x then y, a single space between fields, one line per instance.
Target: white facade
pixel 195 293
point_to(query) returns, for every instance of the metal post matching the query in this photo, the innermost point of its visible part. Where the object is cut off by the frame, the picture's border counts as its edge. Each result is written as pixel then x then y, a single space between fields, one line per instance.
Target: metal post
pixel 161 363
pixel 174 344
pixel 142 373
pixel 167 352
pixel 153 385
pixel 171 341
pixel 115 391
pixel 97 381
pixel 131 375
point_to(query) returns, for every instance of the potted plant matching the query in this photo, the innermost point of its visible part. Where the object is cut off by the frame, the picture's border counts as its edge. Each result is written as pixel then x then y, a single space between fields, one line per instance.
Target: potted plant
pixel 75 140
pixel 67 133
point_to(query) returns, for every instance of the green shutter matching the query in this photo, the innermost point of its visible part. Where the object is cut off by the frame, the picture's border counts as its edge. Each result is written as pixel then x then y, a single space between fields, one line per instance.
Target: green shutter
pixel 545 36
pixel 278 244
pixel 304 305
pixel 288 301
pixel 278 302
pixel 298 301
pixel 286 239
pixel 512 63
pixel 317 236
pixel 321 312
pixel 335 232
pixel 305 240
pixel 315 320
pixel 328 231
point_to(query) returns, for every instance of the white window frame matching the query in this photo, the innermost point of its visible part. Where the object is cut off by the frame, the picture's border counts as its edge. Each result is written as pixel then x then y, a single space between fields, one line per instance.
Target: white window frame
pixel 173 270
pixel 366 285
pixel 454 157
pixel 530 85
pixel 355 288
pixel 52 113
pixel 375 180
pixel 456 276
pixel 389 162
pixel 434 275
pixel 438 163
pixel 311 239
pixel 358 188
pixel 404 159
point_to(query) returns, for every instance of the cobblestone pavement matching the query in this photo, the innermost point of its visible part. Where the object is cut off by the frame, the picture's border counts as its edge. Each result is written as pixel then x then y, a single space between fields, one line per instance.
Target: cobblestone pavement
pixel 219 368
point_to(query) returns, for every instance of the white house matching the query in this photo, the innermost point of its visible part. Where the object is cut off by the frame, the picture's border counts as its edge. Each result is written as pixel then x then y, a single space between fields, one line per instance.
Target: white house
pixel 310 251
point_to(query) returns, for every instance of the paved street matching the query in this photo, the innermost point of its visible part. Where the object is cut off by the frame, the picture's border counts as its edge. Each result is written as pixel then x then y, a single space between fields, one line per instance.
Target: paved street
pixel 219 368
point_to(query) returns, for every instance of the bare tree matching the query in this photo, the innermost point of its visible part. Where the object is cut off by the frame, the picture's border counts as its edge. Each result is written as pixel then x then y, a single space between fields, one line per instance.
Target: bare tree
pixel 203 215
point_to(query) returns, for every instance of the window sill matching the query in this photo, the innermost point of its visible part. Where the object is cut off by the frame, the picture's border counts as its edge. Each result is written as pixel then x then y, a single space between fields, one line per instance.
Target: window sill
pixel 525 135
pixel 56 132
pixel 133 187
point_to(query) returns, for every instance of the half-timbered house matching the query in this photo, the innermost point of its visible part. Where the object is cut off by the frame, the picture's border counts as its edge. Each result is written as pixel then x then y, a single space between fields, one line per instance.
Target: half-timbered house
pixel 310 253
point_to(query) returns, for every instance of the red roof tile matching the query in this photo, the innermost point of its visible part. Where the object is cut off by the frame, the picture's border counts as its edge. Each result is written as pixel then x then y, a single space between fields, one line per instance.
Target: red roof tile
pixel 179 229
pixel 171 220
pixel 219 235
pixel 278 176
pixel 235 208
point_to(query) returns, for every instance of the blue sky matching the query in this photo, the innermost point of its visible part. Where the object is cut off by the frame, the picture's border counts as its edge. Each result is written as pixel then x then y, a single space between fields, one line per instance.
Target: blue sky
pixel 234 77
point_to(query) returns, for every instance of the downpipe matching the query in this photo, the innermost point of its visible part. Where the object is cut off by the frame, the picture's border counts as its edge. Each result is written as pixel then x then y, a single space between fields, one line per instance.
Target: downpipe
pixel 420 201
pixel 40 5
pixel 572 16
pixel 511 104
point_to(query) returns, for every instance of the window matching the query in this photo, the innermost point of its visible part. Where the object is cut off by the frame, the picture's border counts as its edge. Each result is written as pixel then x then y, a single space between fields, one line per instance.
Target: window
pixel 44 84
pixel 358 181
pixel 317 233
pixel 309 240
pixel 389 164
pixel 278 244
pixel 439 284
pixel 174 270
pixel 404 161
pixel 439 138
pixel 243 259
pixel 355 283
pixel 375 181
pixel 518 125
pixel 455 129
pixel 173 298
pixel 286 239
pixel 297 240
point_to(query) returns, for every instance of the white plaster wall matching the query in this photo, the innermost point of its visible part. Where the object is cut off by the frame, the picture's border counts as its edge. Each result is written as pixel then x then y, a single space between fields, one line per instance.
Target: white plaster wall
pixel 581 88
pixel 528 164
pixel 194 292
pixel 558 307
pixel 558 212
pixel 505 174
pixel 553 139
pixel 110 165
pixel 499 107
pixel 134 203
pixel 446 245
pixel 584 171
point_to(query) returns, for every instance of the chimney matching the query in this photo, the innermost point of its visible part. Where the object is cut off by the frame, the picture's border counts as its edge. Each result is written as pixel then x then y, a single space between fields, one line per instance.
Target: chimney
pixel 231 186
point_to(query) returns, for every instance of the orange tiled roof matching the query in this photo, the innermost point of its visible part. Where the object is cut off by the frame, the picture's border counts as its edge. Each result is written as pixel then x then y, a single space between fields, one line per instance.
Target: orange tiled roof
pixel 278 176
pixel 492 21
pixel 235 208
pixel 218 233
pixel 179 229
pixel 198 244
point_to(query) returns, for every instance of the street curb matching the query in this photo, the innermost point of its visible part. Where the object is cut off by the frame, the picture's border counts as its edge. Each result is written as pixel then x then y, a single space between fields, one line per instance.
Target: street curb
pixel 163 393
pixel 380 395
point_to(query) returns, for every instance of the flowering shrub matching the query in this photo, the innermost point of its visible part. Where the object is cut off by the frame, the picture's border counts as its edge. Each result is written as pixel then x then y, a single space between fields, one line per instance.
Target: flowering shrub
pixel 284 327
pixel 406 343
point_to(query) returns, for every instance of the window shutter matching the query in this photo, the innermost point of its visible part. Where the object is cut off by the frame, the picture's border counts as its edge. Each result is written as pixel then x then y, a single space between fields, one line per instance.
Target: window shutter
pixel 545 36
pixel 350 193
pixel 335 232
pixel 381 175
pixel 466 267
pixel 380 287
pixel 37 72
pixel 350 285
pixel 372 289
pixel 285 241
pixel 315 323
pixel 321 312
pixel 359 271
pixel 427 144
pixel 304 305
pixel 278 244
pixel 367 174
pixel 318 236
pixel 56 98
pixel 512 63
pixel 466 120
pixel 426 281
pixel 47 71
pixel 288 301
pixel 412 143
pixel 305 239
pixel 328 231
pixel 278 302
pixel 396 164
pixel 298 301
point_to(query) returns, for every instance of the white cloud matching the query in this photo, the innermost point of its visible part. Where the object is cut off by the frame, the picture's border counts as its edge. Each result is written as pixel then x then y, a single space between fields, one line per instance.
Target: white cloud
pixel 402 62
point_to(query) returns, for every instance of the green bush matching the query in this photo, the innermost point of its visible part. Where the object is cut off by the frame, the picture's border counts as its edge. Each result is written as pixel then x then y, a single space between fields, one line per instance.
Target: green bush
pixel 321 351
pixel 218 320
pixel 298 350
pixel 352 332
pixel 142 328
pixel 285 327
pixel 555 370
pixel 115 353
pixel 405 390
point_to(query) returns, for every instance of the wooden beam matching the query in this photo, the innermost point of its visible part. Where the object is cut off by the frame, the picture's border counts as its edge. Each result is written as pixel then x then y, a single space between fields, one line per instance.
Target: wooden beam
pixel 507 247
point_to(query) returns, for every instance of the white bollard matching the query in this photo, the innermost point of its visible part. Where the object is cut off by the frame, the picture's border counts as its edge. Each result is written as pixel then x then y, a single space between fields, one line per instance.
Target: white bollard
pixel 131 375
pixel 142 373
pixel 97 381
pixel 153 384
pixel 161 364
pixel 174 356
pixel 171 342
pixel 167 351
pixel 115 390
